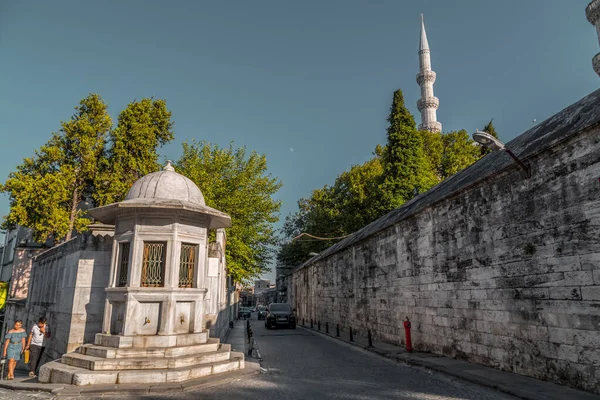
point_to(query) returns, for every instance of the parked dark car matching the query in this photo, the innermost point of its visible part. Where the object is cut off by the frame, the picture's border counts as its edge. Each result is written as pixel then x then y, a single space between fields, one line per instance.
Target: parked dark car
pixel 280 314
pixel 262 312
pixel 245 312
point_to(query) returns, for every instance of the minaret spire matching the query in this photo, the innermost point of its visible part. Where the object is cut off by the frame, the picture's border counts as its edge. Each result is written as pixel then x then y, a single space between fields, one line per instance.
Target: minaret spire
pixel 428 103
pixel 423 45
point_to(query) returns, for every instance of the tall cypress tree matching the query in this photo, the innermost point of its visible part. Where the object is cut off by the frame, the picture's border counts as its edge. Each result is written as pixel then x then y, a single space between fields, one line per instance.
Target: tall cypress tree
pixel 405 169
pixel 489 128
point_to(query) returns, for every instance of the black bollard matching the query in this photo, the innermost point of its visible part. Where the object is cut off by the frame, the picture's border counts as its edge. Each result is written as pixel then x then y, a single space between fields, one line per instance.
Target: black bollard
pixel 370 339
pixel 311 323
pixel 351 336
pixel 302 321
pixel 318 325
pixel 250 348
pixel 337 330
pixel 326 327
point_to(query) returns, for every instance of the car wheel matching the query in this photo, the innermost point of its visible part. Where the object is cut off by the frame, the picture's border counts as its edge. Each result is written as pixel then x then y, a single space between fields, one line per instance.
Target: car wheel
pixel 293 326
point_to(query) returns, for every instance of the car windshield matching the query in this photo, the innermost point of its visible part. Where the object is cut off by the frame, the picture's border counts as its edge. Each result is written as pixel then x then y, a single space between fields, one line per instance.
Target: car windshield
pixel 280 307
pixel 262 308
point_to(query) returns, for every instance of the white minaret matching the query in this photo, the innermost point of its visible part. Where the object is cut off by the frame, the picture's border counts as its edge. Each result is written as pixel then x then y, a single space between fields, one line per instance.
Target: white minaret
pixel 593 15
pixel 428 103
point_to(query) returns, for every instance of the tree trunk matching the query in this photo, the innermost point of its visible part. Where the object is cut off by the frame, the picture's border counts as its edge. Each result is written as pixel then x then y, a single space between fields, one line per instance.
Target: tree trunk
pixel 74 203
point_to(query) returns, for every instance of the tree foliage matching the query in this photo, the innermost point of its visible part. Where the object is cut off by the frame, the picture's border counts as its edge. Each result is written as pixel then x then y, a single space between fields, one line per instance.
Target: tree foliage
pixel 142 128
pixel 87 163
pixel 449 153
pixel 47 189
pixel 406 171
pixel 411 162
pixel 489 128
pixel 238 184
pixel 333 211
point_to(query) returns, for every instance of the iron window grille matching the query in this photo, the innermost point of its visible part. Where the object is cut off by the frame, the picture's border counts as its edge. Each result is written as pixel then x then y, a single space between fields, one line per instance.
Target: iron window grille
pixel 187 264
pixel 124 264
pixel 153 266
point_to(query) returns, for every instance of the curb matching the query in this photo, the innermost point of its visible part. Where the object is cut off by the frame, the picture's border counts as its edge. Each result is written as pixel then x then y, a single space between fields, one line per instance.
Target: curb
pixel 407 359
pixel 250 368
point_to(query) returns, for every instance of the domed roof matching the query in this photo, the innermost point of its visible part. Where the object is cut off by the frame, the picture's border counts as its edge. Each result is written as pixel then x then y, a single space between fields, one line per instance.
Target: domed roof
pixel 166 185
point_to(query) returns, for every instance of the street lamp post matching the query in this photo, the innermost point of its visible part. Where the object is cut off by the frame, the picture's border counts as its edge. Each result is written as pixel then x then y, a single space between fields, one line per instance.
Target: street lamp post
pixel 487 140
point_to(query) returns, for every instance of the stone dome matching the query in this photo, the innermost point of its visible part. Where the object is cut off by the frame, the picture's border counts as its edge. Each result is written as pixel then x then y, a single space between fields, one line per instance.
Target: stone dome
pixel 165 185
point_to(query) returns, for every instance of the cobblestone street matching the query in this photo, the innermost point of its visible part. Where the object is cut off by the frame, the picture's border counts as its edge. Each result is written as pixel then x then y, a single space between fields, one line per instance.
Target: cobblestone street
pixel 6 394
pixel 299 364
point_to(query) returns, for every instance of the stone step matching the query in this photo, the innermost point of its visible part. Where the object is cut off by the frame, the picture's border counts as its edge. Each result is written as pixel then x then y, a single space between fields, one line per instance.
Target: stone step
pixel 143 363
pixel 144 341
pixel 213 344
pixel 55 372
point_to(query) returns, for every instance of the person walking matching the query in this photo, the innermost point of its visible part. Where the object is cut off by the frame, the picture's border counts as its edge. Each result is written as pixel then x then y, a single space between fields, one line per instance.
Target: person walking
pixel 14 346
pixel 36 342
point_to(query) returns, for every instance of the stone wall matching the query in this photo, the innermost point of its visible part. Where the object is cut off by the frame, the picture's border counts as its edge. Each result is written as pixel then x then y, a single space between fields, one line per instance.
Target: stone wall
pixel 490 267
pixel 67 286
pixel 217 310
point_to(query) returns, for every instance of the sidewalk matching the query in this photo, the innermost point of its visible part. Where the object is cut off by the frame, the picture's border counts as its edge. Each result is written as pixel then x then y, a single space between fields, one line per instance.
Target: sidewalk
pixel 516 385
pixel 236 338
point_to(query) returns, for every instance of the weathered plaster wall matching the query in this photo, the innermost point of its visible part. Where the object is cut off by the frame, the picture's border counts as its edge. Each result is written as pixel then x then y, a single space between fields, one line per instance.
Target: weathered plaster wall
pixel 21 272
pixel 505 272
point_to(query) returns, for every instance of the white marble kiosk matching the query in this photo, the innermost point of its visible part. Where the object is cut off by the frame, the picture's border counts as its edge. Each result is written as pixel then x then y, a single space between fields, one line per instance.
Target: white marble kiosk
pixel 152 328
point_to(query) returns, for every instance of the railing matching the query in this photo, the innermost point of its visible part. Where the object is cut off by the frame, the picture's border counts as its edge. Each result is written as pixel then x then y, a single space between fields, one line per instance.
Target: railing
pixel 154 264
pixel 124 267
pixel 187 262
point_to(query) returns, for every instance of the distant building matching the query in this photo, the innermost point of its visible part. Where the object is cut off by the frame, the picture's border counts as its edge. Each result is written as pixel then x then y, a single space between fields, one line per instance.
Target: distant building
pixel 282 278
pixel 261 285
pixel 16 257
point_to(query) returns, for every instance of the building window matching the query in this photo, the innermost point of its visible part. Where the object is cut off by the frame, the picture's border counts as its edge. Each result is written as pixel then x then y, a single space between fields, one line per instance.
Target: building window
pixel 123 265
pixel 153 266
pixel 187 264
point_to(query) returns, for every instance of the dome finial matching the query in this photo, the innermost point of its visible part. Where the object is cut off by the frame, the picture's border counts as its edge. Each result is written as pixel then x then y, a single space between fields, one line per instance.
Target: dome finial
pixel 168 167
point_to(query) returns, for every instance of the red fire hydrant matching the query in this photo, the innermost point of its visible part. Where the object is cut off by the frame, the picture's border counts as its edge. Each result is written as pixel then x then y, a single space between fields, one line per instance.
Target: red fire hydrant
pixel 408 339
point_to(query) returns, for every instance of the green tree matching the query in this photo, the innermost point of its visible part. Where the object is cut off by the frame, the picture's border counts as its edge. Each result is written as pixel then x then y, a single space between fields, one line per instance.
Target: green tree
pixel 433 150
pixel 459 151
pixel 47 190
pixel 333 211
pixel 410 160
pixel 405 168
pixel 489 128
pixel 238 184
pixel 142 127
pixel 449 153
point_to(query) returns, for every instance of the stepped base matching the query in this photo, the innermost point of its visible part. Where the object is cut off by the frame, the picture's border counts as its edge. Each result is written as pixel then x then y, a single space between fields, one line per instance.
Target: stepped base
pixel 144 341
pixel 55 372
pixel 117 359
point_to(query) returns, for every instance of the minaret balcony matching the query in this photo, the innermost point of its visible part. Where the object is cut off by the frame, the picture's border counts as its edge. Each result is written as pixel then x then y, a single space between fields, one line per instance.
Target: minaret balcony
pixel 592 12
pixel 434 126
pixel 428 102
pixel 425 76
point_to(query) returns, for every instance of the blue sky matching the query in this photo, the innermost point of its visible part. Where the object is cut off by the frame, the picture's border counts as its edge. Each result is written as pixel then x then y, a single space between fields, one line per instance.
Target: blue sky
pixel 313 76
